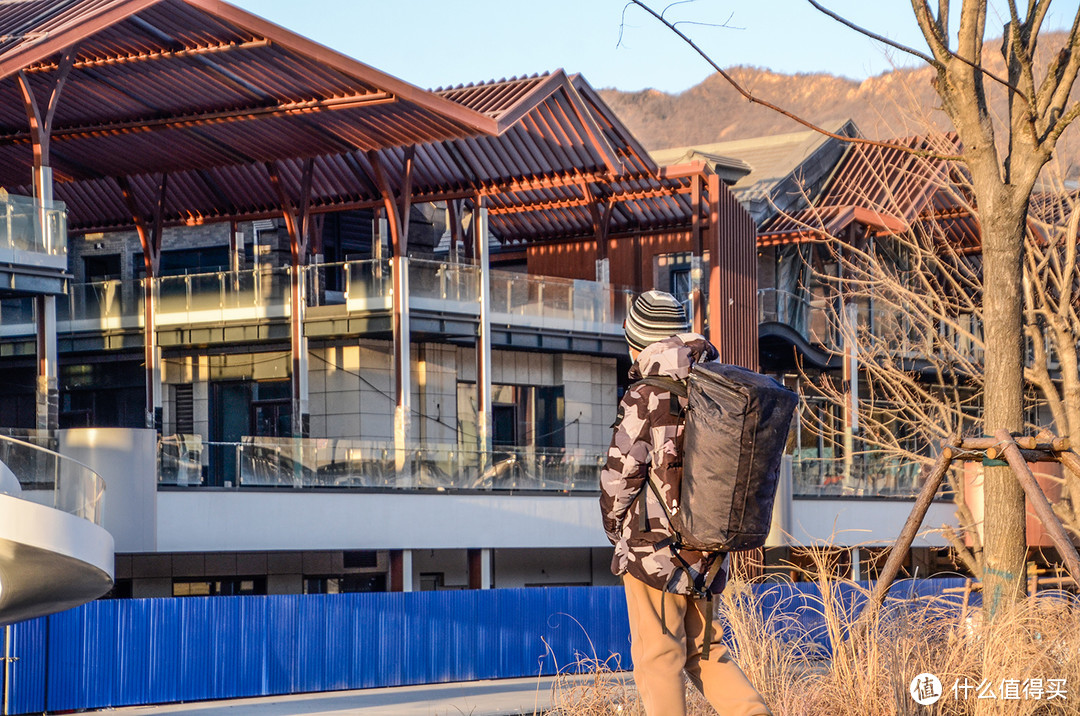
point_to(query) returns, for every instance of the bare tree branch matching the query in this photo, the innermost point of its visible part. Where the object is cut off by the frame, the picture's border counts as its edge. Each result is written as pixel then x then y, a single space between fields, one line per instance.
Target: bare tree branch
pixel 873 35
pixel 749 96
pixel 937 39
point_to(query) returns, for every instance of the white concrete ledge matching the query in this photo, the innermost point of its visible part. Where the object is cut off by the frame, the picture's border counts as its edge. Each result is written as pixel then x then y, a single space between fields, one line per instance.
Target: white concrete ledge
pixel 215 521
pixel 240 520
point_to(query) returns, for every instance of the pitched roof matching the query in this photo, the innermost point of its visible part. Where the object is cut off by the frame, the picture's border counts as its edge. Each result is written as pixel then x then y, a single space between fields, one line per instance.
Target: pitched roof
pixel 886 188
pixel 182 85
pixel 771 159
pixel 212 95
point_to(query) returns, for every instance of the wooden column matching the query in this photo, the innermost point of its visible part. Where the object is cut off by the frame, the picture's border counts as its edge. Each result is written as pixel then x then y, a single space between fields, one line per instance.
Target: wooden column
pixel 396 208
pixel 483 334
pixel 850 372
pixel 697 305
pixel 712 241
pixel 40 121
pixel 479 568
pixel 600 210
pixel 150 238
pixel 732 303
pixel 298 222
pixel 731 241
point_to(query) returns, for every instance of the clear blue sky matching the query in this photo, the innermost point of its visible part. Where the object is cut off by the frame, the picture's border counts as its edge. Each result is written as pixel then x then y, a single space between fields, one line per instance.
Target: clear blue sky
pixel 446 42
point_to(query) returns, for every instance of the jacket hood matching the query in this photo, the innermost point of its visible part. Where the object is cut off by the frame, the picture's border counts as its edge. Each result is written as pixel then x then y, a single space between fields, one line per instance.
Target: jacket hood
pixel 673 357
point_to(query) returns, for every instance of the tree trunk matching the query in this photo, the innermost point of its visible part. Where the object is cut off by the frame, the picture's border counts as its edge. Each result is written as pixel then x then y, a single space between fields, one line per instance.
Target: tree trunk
pixel 1005 548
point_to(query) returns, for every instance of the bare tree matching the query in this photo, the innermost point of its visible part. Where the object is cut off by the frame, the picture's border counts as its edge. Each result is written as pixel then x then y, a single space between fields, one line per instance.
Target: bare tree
pixel 920 346
pixel 1004 157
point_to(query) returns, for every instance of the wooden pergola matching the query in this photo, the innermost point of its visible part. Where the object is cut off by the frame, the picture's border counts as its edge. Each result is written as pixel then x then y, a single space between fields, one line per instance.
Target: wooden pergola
pixel 144 114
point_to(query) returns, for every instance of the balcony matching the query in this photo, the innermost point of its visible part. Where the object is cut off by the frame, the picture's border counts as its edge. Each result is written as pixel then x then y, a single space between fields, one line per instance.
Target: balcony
pixel 811 318
pixel 440 292
pixel 260 462
pixel 186 461
pixel 33 246
pixel 812 322
pixel 870 474
pixel 54 554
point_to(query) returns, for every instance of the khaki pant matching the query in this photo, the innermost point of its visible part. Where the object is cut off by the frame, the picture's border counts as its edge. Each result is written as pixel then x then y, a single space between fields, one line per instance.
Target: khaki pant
pixel 659 658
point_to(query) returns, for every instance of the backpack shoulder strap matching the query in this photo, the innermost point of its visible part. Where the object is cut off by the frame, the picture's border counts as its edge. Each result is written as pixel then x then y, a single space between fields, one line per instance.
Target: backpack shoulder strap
pixel 677 387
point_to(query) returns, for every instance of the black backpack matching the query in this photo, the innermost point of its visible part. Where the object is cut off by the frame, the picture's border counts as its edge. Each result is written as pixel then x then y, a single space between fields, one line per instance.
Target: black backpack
pixel 737 425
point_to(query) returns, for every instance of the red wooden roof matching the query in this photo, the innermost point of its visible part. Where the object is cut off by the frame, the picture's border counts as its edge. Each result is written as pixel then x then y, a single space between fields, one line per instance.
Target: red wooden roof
pixel 209 94
pixel 883 188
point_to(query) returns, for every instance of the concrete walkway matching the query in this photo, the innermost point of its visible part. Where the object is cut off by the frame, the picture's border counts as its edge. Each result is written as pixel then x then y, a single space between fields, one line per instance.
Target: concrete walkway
pixel 505 697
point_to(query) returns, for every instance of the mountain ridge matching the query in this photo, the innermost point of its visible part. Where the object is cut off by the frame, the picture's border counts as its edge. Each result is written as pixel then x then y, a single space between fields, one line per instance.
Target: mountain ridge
pixel 898 103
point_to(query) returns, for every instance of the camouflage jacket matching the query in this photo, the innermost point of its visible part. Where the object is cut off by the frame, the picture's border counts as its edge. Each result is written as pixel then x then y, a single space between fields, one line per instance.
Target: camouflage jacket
pixel 648 437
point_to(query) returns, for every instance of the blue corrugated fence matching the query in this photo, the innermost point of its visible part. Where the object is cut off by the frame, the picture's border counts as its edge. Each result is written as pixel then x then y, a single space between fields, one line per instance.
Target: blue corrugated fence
pixel 143 651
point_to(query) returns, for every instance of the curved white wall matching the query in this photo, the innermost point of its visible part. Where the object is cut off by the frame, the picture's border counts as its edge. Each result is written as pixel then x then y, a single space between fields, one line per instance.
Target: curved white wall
pixel 49 560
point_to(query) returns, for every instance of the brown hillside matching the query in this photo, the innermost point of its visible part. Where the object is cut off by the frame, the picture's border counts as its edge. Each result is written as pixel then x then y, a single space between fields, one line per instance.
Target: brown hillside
pixel 897 103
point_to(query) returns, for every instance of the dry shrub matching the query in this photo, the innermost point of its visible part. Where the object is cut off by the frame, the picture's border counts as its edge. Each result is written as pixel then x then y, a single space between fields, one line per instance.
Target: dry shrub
pixel 603 691
pixel 870 668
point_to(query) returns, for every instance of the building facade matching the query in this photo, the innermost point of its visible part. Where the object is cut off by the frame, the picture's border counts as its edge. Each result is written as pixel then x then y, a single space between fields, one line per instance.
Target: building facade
pixel 308 333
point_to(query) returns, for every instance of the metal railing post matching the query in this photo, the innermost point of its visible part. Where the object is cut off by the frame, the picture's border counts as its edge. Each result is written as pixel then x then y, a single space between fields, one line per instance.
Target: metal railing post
pixel 8 661
pixel 402 367
pixel 483 341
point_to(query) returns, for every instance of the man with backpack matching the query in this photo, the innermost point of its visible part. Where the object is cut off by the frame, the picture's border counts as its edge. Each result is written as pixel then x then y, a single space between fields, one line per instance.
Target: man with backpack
pixel 668 586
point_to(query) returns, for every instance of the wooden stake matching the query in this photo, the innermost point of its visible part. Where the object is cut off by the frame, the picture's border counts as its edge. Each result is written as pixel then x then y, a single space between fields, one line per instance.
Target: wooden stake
pixel 1042 507
pixel 907 535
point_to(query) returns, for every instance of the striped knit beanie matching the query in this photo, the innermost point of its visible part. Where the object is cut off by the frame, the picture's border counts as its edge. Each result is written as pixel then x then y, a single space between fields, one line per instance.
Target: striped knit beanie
pixel 654 316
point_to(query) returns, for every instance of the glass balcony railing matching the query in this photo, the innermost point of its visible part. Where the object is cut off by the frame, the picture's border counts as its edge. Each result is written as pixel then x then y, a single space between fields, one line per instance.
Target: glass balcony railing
pixel 444 286
pixel 882 327
pixel 358 286
pixel 44 477
pixel 262 462
pixel 810 317
pixel 336 463
pixel 223 296
pixel 869 475
pixel 541 300
pixel 32 234
pixel 368 285
pixel 518 298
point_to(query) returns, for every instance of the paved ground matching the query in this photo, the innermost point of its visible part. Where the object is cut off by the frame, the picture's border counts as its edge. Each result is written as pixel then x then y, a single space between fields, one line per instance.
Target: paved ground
pixel 505 697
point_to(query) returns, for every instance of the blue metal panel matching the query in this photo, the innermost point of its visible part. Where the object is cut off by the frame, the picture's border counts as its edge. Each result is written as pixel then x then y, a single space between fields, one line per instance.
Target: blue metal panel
pixel 129 652
pixel 27 692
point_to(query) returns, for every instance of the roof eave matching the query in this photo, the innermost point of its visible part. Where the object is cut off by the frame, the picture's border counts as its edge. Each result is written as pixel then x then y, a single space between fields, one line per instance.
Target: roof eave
pixel 477 121
pixel 58 41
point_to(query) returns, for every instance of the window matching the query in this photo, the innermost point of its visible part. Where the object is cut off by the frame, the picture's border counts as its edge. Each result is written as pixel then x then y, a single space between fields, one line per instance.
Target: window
pixel 521 415
pixel 550 417
pixel 347 584
pixel 101 268
pixel 102 395
pixel 178 262
pixel 507 416
pixel 680 284
pixel 224 587
pixel 673 274
pixel 360 559
pixel 184 402
pixel 432 581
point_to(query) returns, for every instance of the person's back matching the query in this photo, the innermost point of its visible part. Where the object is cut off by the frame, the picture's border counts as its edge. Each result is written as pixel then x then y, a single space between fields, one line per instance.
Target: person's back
pixel 665 584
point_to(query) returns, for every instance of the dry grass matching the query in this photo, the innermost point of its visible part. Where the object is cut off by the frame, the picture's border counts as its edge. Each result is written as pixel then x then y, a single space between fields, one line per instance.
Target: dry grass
pixel 870 670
